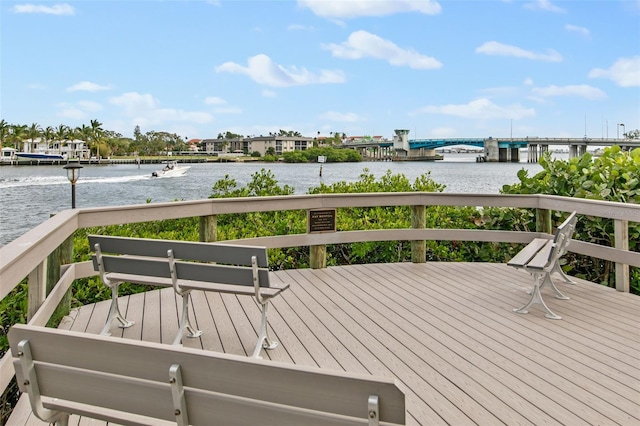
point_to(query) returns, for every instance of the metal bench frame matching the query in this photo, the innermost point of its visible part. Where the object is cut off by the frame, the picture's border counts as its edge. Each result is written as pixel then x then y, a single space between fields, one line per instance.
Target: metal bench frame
pixel 222 268
pixel 134 382
pixel 541 258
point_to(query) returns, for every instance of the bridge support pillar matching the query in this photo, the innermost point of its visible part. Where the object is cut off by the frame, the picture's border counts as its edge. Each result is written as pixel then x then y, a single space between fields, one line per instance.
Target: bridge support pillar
pixel 491 150
pixel 573 151
pixel 514 154
pixel 532 153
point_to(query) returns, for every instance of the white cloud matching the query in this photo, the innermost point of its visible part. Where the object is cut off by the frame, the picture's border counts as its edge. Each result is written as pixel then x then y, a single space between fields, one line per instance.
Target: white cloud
pixel 58 9
pixel 268 93
pixel 214 100
pixel 356 8
pixel 480 109
pixel 545 5
pixel 87 86
pixel 146 110
pixel 579 30
pixel 625 72
pixel 70 112
pixel 528 81
pixel 90 105
pixel 582 91
pixel 362 44
pixel 495 48
pixel 264 71
pixel 343 117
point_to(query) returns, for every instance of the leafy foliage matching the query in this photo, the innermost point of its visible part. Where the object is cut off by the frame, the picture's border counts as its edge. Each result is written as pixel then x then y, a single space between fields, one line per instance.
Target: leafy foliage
pixel 614 176
pixel 333 155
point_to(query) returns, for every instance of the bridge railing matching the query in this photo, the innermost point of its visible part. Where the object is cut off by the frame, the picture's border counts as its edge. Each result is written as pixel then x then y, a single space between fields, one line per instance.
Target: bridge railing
pixel 33 254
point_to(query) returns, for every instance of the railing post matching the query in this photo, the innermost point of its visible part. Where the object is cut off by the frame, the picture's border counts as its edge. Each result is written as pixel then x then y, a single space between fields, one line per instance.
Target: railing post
pixel 418 247
pixel 543 221
pixel 318 256
pixel 63 255
pixel 37 288
pixel 209 228
pixel 621 230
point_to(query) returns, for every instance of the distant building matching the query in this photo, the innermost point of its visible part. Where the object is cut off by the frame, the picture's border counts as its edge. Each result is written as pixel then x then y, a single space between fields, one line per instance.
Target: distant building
pixel 261 144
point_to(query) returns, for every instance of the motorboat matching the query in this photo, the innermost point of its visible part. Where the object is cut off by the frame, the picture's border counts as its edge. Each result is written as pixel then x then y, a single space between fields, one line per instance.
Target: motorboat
pixel 40 156
pixel 171 169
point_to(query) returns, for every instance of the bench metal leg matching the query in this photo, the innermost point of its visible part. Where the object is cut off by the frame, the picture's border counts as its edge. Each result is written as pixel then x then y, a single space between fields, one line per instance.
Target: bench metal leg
pixel 27 366
pixel 567 279
pixel 548 280
pixel 115 314
pixel 536 297
pixel 264 341
pixel 185 322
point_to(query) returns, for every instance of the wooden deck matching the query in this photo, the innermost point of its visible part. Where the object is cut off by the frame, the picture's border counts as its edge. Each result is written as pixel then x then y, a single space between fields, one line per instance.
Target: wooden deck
pixel 445 331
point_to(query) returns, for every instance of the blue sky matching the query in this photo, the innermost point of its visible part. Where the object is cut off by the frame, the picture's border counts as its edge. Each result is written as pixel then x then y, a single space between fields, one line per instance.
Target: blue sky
pixel 544 68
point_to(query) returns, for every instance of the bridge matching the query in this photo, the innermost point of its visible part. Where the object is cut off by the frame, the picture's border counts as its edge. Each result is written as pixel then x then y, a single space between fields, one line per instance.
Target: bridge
pixel 495 149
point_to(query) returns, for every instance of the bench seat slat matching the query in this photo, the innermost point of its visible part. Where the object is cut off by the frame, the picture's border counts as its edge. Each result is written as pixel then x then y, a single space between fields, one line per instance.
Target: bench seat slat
pixel 543 258
pixel 267 292
pixel 526 254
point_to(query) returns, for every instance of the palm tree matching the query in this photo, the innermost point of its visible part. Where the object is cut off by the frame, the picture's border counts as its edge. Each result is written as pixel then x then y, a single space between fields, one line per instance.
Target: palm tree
pixel 84 133
pixel 97 133
pixel 34 131
pixel 17 134
pixel 4 131
pixel 60 134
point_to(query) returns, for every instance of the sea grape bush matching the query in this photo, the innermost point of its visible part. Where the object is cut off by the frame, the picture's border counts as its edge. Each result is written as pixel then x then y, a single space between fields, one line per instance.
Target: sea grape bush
pixel 614 176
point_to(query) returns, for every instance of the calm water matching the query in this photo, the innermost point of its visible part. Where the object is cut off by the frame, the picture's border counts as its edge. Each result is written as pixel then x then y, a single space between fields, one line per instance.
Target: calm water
pixel 29 194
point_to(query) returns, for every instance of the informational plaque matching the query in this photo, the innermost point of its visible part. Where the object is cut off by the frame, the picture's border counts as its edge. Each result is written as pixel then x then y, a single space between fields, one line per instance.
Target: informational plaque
pixel 321 220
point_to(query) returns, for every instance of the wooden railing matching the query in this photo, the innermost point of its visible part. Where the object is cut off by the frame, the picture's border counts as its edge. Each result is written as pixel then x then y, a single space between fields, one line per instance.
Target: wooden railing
pixel 38 253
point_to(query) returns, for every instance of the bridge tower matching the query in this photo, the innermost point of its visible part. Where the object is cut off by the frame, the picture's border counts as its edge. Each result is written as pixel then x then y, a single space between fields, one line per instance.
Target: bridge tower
pixel 401 141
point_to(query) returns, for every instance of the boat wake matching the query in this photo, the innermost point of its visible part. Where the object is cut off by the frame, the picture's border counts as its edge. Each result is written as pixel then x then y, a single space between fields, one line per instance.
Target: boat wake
pixel 62 180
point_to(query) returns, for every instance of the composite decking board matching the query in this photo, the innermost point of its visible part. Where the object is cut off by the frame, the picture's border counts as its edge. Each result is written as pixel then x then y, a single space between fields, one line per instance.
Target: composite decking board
pixel 561 330
pixel 151 311
pixel 534 368
pixel 448 401
pixel 584 398
pixel 296 338
pixel 210 338
pixel 319 328
pixel 453 342
pixel 253 314
pixel 554 327
pixel 332 315
pixel 226 330
pixel 133 313
pixel 462 313
pixel 352 347
pixel 244 327
pixel 170 306
pixel 441 349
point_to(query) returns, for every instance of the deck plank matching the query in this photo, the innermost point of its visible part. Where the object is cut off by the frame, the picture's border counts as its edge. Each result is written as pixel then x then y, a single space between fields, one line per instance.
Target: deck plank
pixel 446 331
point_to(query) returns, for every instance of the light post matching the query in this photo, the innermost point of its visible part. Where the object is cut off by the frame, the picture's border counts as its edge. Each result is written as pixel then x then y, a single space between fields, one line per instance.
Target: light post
pixel 73 173
pixel 618 128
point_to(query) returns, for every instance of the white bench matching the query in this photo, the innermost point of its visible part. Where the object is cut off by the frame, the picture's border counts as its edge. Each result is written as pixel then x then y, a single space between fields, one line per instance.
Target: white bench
pixel 541 259
pixel 223 268
pixel 142 383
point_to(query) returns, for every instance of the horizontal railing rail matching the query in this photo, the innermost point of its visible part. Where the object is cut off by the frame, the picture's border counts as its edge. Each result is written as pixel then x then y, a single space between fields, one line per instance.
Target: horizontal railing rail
pixel 27 256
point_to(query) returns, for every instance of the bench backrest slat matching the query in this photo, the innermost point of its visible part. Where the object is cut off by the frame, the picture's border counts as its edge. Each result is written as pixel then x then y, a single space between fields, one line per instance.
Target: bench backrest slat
pixel 203 252
pixel 562 237
pixel 159 267
pixel 132 376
